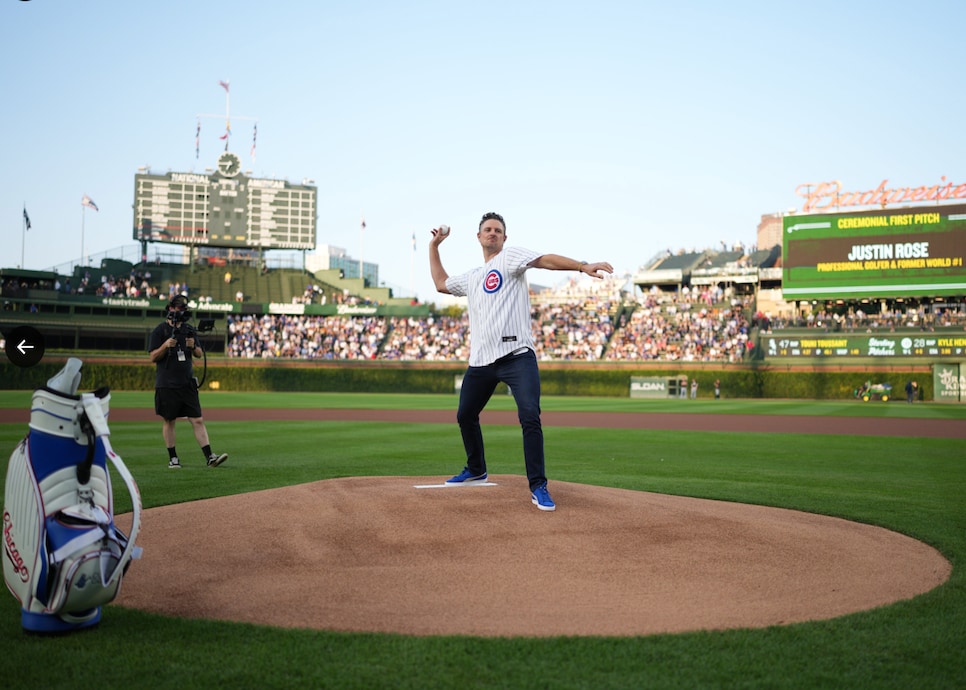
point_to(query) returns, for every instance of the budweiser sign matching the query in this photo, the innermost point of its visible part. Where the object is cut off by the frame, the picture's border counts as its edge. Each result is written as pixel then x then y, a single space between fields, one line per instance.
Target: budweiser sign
pixel 829 195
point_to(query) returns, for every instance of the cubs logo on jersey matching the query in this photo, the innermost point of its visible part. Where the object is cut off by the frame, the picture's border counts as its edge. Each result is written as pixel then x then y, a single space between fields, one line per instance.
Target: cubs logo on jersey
pixel 492 282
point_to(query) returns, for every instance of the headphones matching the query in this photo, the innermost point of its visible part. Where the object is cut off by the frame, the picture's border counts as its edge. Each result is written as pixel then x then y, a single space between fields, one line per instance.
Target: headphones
pixel 178 301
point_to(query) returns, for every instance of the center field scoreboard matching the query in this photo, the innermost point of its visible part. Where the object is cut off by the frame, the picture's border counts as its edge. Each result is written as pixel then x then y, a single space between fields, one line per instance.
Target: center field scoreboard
pixel 224 208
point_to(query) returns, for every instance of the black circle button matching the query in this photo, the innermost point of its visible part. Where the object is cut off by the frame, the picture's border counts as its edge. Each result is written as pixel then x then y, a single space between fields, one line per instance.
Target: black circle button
pixel 25 346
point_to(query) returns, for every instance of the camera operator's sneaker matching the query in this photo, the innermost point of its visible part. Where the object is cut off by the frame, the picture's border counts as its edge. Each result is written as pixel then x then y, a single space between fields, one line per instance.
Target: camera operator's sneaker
pixel 216 459
pixel 174 464
pixel 467 477
pixel 540 497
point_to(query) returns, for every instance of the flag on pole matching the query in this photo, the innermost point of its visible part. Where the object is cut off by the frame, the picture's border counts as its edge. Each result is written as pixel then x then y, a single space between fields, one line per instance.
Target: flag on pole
pixel 198 139
pixel 254 135
pixel 363 222
pixel 414 241
pixel 224 137
pixel 89 203
pixel 26 218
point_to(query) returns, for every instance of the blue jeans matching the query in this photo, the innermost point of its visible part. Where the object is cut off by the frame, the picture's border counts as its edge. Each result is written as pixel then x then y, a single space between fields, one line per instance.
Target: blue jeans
pixel 521 374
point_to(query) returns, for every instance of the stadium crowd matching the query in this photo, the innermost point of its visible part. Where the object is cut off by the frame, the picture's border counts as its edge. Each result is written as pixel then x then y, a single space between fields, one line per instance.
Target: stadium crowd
pixel 700 326
pixel 856 320
pixel 305 337
pixel 578 321
pixel 573 323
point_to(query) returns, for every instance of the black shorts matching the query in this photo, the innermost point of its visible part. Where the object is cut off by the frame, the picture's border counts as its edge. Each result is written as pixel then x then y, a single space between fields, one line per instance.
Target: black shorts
pixel 171 403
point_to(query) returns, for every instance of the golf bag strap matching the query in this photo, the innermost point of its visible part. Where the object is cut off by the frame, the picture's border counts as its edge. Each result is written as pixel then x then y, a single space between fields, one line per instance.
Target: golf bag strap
pixel 131 550
pixel 93 408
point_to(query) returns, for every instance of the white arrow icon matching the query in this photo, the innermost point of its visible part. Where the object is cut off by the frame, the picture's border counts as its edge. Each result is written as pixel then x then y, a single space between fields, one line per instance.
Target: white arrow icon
pixel 808 226
pixel 23 346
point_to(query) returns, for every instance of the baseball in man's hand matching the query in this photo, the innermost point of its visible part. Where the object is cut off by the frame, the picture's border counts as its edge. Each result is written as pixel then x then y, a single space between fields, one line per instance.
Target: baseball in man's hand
pixel 443 230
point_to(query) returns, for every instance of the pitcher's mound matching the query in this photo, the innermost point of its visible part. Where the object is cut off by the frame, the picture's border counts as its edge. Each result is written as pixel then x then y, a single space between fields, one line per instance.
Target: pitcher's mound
pixel 378 554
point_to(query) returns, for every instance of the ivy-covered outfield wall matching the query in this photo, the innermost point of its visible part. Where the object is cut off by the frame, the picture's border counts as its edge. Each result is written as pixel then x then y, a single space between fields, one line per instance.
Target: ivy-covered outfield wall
pixel 742 381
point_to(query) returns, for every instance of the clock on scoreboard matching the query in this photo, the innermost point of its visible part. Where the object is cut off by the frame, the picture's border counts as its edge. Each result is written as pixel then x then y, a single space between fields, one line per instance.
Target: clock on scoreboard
pixel 224 208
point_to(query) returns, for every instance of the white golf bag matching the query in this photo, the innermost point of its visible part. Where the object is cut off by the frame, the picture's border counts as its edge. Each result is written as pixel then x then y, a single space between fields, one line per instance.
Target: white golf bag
pixel 63 556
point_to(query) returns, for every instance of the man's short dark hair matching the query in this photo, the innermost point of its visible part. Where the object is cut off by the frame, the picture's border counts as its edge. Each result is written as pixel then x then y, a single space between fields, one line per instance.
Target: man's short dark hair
pixel 493 216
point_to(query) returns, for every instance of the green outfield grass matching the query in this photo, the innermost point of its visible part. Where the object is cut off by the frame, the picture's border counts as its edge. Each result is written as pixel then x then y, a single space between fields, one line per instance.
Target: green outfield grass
pixel 916 486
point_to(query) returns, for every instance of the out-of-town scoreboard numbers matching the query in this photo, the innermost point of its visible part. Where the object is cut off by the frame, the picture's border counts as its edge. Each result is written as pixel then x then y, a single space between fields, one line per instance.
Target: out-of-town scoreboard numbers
pixel 224 209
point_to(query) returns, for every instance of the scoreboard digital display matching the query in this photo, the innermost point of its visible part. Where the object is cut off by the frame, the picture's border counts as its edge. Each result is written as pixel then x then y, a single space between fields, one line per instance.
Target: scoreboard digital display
pixel 883 346
pixel 224 209
pixel 902 252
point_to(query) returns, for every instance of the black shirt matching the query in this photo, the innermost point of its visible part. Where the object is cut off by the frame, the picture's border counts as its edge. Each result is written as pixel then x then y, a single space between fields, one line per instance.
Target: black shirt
pixel 172 372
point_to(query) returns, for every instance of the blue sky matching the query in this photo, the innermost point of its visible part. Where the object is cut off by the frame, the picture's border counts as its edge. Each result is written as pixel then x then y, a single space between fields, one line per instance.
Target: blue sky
pixel 601 131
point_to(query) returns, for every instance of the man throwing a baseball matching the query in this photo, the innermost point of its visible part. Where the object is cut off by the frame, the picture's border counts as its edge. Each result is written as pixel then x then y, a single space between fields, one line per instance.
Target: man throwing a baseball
pixel 501 344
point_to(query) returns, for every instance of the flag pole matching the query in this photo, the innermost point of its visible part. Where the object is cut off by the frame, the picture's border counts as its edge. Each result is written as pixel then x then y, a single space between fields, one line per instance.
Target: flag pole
pixel 83 211
pixel 412 267
pixel 227 116
pixel 23 238
pixel 362 273
pixel 226 86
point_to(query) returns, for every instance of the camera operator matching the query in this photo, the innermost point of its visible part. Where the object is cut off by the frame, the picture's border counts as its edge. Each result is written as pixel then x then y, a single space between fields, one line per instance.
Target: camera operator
pixel 172 346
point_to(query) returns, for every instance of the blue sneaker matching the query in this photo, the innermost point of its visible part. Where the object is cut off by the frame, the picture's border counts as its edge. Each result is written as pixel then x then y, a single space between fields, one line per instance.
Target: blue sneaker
pixel 541 498
pixel 467 477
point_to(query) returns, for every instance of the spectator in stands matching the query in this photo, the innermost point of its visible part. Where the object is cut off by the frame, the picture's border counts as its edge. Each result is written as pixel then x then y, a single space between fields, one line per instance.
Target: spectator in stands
pixel 568 330
pixel 172 346
pixel 501 344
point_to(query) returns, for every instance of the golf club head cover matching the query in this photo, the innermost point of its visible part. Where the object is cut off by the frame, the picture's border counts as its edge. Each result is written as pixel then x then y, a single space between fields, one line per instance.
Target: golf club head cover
pixel 63 555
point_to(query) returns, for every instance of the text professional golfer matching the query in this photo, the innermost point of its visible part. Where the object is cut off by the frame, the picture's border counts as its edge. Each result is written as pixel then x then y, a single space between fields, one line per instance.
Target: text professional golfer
pixel 501 343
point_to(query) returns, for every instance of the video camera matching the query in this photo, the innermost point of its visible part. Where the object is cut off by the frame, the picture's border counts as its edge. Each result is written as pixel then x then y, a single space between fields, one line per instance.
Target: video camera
pixel 178 318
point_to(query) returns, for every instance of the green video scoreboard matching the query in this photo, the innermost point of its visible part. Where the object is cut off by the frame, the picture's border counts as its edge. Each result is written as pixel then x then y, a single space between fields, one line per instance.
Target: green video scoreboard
pixel 225 208
pixel 901 252
pixel 850 345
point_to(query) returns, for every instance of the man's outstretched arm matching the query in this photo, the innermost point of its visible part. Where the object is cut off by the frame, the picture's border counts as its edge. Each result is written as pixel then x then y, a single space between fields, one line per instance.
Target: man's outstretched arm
pixel 555 262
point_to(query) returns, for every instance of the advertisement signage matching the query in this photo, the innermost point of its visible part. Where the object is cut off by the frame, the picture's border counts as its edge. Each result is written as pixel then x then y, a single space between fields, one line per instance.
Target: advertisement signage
pixel 949 382
pixel 649 387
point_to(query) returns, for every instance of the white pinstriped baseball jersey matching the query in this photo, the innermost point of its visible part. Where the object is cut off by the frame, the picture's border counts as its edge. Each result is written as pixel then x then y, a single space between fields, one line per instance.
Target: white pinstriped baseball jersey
pixel 498 298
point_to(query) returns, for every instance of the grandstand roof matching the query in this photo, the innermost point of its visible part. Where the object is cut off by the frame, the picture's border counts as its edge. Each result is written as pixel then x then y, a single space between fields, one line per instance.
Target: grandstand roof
pixel 721 259
pixel 684 262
